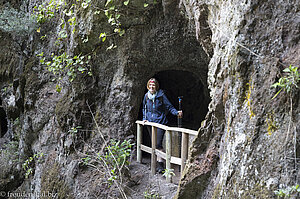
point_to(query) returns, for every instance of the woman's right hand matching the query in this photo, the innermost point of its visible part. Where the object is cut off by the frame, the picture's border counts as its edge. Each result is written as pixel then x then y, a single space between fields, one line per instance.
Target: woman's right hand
pixel 180 113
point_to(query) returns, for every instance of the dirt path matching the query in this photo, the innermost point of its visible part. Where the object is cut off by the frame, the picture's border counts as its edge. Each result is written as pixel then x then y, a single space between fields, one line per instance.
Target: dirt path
pixel 144 185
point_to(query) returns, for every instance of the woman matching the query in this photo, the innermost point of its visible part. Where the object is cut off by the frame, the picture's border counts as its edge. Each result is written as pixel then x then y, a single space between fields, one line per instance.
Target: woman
pixel 155 107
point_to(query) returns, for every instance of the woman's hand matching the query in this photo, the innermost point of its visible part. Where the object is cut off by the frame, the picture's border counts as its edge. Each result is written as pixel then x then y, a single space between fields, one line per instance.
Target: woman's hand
pixel 180 113
pixel 144 121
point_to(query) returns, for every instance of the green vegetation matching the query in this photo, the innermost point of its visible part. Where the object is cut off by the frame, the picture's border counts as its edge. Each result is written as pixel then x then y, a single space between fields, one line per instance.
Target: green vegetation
pixel 116 157
pixel 28 164
pixel 289 81
pixel 17 122
pixel 113 15
pixel 4 89
pixel 53 183
pixel 288 192
pixel 61 63
pixel 272 127
pixel 7 88
pixel 151 195
pixel 86 160
pixel 74 130
pixel 47 10
pixel 58 64
pixel 168 173
pixel 248 98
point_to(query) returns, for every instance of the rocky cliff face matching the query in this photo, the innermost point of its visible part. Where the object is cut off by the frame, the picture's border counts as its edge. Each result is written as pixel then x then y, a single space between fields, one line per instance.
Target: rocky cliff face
pixel 42 123
pixel 248 145
pixel 253 141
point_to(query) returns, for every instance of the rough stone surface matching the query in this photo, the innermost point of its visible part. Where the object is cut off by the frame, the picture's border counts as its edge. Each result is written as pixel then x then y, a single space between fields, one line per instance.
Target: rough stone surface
pixel 252 41
pixel 236 49
pixel 157 39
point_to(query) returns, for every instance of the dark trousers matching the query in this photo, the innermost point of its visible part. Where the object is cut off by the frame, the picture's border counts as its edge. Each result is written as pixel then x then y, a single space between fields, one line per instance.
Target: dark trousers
pixel 160 137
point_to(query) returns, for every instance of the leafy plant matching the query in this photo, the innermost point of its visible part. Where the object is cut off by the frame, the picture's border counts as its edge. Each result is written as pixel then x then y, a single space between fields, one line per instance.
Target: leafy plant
pixel 112 14
pixel 47 10
pixel 86 160
pixel 5 89
pixel 17 121
pixel 126 2
pixel 64 64
pixel 85 4
pixel 74 130
pixel 151 195
pixel 117 153
pixel 27 165
pixel 116 156
pixel 289 81
pixel 168 173
pixel 288 192
pixel 61 63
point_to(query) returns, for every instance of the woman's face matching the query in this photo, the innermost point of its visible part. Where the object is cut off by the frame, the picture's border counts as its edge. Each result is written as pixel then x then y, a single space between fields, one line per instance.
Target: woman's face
pixel 152 88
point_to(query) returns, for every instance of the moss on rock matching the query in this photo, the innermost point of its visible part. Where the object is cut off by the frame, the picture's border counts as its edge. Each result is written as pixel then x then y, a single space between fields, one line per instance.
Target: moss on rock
pixel 53 183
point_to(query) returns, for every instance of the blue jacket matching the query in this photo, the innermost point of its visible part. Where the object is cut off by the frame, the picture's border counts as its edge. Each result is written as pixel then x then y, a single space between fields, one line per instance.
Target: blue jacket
pixel 158 112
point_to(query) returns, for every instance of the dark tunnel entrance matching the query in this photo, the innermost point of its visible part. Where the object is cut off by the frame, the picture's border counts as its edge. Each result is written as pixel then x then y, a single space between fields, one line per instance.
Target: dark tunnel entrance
pixel 195 96
pixel 3 121
pixel 177 83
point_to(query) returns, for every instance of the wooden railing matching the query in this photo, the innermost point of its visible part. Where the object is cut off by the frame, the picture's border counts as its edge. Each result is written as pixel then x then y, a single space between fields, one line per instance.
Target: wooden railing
pixel 167 155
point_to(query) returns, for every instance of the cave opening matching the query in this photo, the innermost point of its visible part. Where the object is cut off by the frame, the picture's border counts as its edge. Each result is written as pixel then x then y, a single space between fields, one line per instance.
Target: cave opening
pixel 195 94
pixel 195 101
pixel 3 121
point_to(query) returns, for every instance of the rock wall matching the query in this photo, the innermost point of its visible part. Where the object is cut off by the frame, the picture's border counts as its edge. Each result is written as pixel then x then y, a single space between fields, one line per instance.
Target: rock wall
pixel 43 122
pixel 249 145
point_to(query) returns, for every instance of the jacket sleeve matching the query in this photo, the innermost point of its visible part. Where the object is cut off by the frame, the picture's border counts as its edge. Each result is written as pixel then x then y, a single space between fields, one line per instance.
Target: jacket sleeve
pixel 169 106
pixel 144 108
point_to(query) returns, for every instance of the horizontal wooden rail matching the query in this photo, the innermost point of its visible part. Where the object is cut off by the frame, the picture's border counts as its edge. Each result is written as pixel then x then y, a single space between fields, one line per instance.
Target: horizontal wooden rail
pixel 167 128
pixel 157 153
pixel 174 160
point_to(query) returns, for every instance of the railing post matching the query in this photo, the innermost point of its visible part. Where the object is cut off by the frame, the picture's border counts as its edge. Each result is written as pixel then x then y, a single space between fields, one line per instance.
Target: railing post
pixel 139 142
pixel 168 153
pixel 184 150
pixel 153 154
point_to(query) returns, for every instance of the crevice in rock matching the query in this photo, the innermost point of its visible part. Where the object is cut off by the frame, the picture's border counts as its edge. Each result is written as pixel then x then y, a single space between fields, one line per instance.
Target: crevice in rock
pixel 3 121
